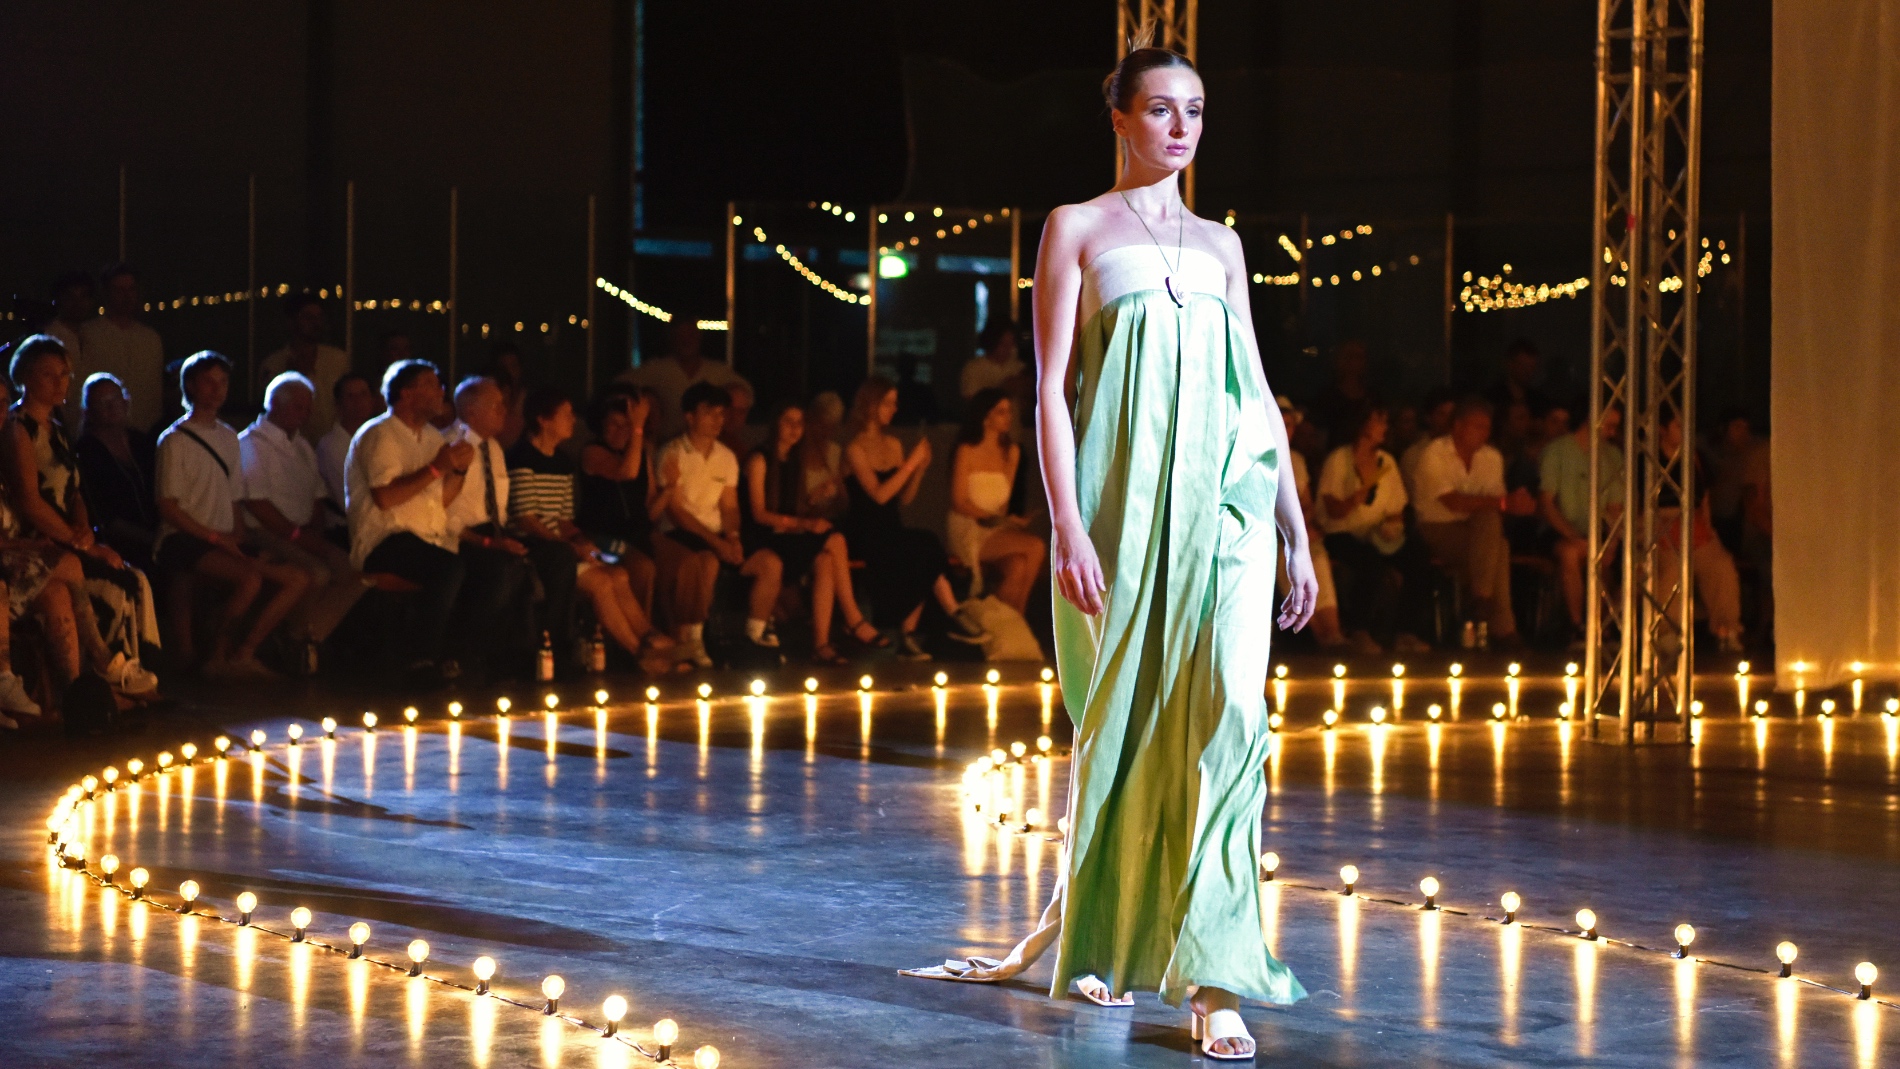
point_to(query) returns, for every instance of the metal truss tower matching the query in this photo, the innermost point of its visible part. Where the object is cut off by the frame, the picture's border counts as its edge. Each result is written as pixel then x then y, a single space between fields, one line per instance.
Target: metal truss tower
pixel 1177 26
pixel 1646 260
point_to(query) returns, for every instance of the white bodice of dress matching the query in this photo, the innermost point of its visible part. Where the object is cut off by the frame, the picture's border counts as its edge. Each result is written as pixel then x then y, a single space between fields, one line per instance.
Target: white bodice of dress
pixel 989 490
pixel 1129 268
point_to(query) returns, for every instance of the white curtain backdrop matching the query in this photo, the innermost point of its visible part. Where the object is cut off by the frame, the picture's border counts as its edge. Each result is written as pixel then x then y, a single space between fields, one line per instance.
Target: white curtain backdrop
pixel 1836 363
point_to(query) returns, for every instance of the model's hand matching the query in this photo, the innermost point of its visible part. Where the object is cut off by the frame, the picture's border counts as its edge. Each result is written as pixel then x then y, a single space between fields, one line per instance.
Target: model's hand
pixel 1303 599
pixel 1078 571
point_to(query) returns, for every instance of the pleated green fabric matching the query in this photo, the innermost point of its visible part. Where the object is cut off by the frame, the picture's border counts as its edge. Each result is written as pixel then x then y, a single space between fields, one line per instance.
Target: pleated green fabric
pixel 1176 473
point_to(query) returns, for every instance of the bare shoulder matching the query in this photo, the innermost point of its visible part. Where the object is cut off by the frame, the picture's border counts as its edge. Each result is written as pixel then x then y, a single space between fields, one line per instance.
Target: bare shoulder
pixel 1224 240
pixel 1069 225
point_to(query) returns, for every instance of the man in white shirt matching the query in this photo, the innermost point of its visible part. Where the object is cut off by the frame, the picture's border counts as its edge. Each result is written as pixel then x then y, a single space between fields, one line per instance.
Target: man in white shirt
pixel 200 482
pixel 1000 366
pixel 305 352
pixel 699 478
pixel 500 571
pixel 117 342
pixel 282 498
pixel 400 478
pixel 1460 506
pixel 356 401
pixel 670 376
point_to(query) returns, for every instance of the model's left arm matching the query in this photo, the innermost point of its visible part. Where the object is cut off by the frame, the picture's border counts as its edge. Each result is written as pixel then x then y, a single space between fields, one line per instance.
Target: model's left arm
pixel 1303 598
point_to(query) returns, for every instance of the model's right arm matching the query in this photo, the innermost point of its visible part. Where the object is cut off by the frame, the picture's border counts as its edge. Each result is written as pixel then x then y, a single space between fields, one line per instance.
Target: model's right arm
pixel 1058 289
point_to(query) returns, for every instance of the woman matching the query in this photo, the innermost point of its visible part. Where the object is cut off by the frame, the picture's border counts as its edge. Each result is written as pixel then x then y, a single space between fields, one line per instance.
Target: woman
pixel 618 503
pixel 541 502
pixel 117 469
pixel 1161 632
pixel 43 481
pixel 903 565
pixel 1382 574
pixel 772 515
pixel 822 458
pixel 982 530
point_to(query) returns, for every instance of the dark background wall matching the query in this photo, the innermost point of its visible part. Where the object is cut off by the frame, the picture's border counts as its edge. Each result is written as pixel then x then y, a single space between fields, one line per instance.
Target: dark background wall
pixel 1386 113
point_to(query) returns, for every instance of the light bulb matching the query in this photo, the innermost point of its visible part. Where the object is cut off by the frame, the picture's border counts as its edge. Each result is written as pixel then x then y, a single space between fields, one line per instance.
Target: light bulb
pixel 1571 668
pixel 1378 714
pixel 1865 974
pixel 1349 875
pixel 1339 671
pixel 221 744
pixel 418 953
pixel 1033 817
pixel 1429 888
pixel 1017 749
pixel 139 878
pixel 705 690
pixel 1785 953
pixel 1513 669
pixel 295 731
pixel 1893 707
pixel 1498 711
pixel 1457 670
pixel 1685 935
pixel 1587 921
pixel 1827 707
pixel 551 989
pixel 1329 717
pixel 329 727
pixel 411 713
pixel 484 969
pixel 109 864
pixel 189 892
pixel 246 905
pixel 1044 742
pixel 257 739
pixel 1398 671
pixel 612 1009
pixel 864 682
pixel 940 679
pixel 1510 901
pixel 1761 707
pixel 359 934
pixel 600 697
pixel 992 677
pixel 1435 711
pixel 998 756
pixel 666 1032
pixel 653 694
pixel 1275 721
pixel 110 775
pixel 189 751
pixel 552 701
pixel 502 705
pixel 811 684
pixel 300 920
pixel 1279 671
pixel 757 688
pixel 706 1057
pixel 165 758
pixel 455 710
pixel 1048 675
pixel 369 721
pixel 1269 865
pixel 134 767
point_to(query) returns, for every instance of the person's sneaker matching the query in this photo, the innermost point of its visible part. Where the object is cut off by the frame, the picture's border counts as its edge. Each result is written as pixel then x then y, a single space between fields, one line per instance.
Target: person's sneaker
pixel 767 638
pixel 15 699
pixel 696 652
pixel 965 628
pixel 129 677
pixel 909 650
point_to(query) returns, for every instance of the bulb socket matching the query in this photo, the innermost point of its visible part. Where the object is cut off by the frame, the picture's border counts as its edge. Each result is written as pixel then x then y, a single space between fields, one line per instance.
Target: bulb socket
pixel 415 968
pixel 1866 992
pixel 666 1051
pixel 244 919
pixel 1681 953
pixel 1787 969
pixel 1431 902
pixel 611 1029
pixel 481 987
pixel 297 935
pixel 356 951
pixel 1510 916
pixel 553 1007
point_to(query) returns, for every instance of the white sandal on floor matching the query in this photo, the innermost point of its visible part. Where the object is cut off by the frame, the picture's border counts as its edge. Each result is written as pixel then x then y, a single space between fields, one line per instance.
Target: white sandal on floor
pixel 1219 1025
pixel 1092 988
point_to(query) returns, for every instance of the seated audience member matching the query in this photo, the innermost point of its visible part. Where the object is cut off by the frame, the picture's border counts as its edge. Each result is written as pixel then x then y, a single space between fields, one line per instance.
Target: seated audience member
pixel 903 566
pixel 504 368
pixel 200 482
pixel 1739 499
pixel 499 568
pixel 1325 625
pixel 1717 584
pixel 1337 408
pixel 283 505
pixel 821 458
pixel 982 530
pixel 1512 438
pixel 401 475
pixel 671 375
pixel 1518 383
pixel 39 578
pixel 355 400
pixel 119 344
pixel 1362 510
pixel 618 493
pixel 998 366
pixel 542 482
pixel 1435 423
pixel 306 353
pixel 699 483
pixel 117 466
pixel 738 435
pixel 773 517
pixel 1564 492
pixel 44 485
pixel 394 347
pixel 1461 506
pixel 74 302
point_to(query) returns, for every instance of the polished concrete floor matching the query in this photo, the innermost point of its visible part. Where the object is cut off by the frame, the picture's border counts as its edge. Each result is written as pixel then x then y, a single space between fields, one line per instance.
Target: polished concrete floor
pixel 759 871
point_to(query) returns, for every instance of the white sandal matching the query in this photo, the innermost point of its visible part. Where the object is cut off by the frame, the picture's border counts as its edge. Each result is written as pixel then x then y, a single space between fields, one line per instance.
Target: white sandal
pixel 1211 1028
pixel 1092 988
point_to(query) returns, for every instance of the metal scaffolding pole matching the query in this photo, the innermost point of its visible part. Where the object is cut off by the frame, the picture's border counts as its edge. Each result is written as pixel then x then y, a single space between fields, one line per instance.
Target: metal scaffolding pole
pixel 1177 26
pixel 732 280
pixel 1640 630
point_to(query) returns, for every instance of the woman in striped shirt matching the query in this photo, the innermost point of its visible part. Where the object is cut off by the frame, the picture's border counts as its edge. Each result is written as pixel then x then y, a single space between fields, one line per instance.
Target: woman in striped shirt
pixel 541 502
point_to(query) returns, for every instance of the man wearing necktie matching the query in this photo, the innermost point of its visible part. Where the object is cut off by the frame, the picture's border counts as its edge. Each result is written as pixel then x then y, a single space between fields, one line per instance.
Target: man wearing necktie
pixel 500 583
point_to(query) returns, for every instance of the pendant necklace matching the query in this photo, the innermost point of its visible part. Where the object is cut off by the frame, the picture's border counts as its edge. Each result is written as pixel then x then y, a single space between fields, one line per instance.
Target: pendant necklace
pixel 1167 280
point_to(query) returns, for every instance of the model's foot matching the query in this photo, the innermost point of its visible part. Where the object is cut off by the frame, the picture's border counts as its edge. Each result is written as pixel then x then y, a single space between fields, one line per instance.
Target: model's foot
pixel 1217 1025
pixel 1093 989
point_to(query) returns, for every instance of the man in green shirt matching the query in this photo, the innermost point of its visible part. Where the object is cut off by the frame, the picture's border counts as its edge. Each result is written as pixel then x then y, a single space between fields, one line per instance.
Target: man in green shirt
pixel 1564 498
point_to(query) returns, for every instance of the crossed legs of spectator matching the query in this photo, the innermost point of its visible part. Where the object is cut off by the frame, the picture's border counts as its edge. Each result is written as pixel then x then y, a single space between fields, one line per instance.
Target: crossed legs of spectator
pixel 232 656
pixel 610 590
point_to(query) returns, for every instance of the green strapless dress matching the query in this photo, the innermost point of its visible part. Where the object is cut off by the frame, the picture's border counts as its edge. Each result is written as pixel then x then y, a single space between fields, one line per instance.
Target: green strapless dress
pixel 1176 475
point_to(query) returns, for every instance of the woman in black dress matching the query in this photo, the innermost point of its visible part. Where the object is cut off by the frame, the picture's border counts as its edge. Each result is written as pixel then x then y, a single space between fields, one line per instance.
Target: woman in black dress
pixel 775 514
pixel 903 565
pixel 617 504
pixel 117 463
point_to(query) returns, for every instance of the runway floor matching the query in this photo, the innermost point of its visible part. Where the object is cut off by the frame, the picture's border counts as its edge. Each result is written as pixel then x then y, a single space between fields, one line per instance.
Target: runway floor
pixel 758 871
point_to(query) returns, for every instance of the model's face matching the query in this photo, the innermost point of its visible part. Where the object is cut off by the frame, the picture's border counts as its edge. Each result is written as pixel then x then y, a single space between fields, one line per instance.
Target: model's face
pixel 706 421
pixel 1164 128
pixel 105 406
pixel 208 389
pixel 48 380
pixel 358 403
pixel 1001 418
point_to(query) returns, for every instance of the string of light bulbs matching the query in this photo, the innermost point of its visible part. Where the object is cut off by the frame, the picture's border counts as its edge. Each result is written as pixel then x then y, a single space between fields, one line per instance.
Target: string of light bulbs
pixel 1498 292
pixel 810 275
pixel 626 297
